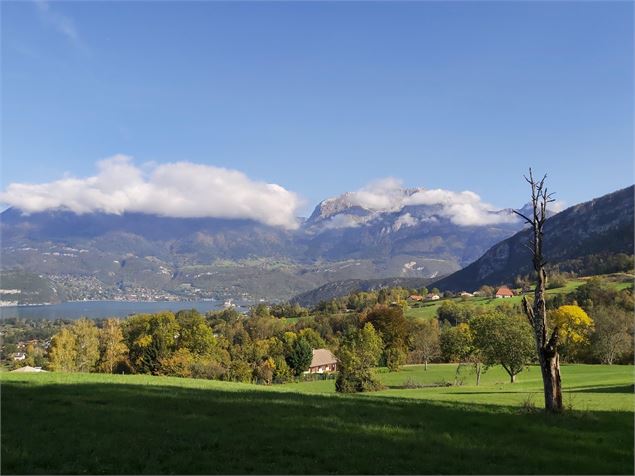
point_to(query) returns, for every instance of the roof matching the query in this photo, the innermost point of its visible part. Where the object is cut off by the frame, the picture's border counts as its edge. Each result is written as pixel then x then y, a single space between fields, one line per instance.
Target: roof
pixel 28 368
pixel 322 357
pixel 415 297
pixel 504 291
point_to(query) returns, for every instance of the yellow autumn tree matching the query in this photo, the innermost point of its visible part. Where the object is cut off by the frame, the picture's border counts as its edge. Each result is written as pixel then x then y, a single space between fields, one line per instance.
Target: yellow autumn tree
pixel 112 348
pixel 63 352
pixel 574 327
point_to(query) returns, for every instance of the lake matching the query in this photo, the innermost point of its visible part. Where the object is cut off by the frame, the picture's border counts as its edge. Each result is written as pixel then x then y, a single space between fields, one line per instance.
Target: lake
pixel 101 309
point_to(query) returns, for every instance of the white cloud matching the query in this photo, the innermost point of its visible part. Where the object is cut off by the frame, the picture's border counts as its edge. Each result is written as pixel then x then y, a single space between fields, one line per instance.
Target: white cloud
pixel 462 208
pixel 178 189
pixel 404 220
pixel 343 220
pixel 557 206
pixel 381 195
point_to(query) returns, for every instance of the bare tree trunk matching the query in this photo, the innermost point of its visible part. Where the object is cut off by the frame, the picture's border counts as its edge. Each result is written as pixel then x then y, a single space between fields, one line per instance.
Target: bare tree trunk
pixel 425 367
pixel 547 348
pixel 550 367
pixel 478 374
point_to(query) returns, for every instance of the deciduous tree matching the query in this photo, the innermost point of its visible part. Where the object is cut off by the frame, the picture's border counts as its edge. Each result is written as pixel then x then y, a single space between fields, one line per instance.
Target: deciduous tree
pixel 300 356
pixel 503 340
pixel 112 348
pixel 87 344
pixel 457 345
pixel 358 353
pixel 574 327
pixel 425 341
pixel 194 333
pixel 63 352
pixel 613 336
pixel 392 327
pixel 150 338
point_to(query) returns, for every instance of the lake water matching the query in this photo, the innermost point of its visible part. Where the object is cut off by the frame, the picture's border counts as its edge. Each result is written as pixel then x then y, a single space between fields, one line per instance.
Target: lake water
pixel 101 309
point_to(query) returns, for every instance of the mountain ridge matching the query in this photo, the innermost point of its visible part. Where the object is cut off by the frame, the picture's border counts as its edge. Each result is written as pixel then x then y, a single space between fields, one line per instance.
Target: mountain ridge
pixel 413 233
pixel 601 225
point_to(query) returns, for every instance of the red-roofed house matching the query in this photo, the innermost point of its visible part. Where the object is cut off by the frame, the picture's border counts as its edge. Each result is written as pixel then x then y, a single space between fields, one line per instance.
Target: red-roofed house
pixel 504 292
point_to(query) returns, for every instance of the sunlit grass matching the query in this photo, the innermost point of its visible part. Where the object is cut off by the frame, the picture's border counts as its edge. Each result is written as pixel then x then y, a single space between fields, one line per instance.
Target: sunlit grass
pixel 95 423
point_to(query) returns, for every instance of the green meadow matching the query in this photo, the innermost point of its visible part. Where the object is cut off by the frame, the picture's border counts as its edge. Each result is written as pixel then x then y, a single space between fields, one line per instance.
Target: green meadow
pixel 428 309
pixel 121 424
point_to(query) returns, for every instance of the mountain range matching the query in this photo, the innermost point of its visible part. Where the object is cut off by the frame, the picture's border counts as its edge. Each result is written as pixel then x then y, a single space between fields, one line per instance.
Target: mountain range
pixel 589 232
pixel 141 256
pixel 603 226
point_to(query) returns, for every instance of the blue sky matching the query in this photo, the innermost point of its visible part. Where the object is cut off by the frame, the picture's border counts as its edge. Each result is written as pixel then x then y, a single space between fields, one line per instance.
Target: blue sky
pixel 323 98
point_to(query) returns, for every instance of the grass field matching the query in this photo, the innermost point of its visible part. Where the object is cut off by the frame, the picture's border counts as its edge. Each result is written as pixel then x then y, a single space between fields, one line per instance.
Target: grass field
pixel 95 423
pixel 428 309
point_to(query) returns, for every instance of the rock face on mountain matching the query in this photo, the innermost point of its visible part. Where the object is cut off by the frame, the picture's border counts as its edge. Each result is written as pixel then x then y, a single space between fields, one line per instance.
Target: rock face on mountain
pixel 401 231
pixel 601 226
pixel 98 255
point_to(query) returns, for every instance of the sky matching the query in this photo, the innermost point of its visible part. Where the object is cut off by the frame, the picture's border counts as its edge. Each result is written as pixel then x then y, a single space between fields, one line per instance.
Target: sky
pixel 266 108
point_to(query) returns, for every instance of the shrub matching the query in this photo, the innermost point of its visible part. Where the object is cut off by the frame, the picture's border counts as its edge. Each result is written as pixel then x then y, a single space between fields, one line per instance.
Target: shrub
pixel 178 364
pixel 281 373
pixel 263 373
pixel 239 371
pixel 395 357
pixel 207 368
pixel 556 280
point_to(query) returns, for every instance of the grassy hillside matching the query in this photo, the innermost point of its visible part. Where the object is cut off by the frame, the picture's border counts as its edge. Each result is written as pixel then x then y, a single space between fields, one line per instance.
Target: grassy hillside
pixel 581 386
pixel 92 423
pixel 428 310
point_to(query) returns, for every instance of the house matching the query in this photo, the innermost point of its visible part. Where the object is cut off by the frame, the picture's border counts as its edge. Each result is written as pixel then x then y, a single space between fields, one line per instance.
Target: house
pixel 432 297
pixel 504 292
pixel 415 298
pixel 29 369
pixel 19 356
pixel 466 294
pixel 323 361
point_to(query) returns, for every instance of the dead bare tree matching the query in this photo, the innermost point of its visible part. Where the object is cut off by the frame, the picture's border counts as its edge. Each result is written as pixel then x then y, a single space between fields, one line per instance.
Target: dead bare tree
pixel 536 311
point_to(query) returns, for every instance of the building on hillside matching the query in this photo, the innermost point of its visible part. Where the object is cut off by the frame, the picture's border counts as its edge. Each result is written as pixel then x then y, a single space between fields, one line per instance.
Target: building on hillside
pixel 466 294
pixel 415 298
pixel 433 297
pixel 19 356
pixel 504 292
pixel 323 361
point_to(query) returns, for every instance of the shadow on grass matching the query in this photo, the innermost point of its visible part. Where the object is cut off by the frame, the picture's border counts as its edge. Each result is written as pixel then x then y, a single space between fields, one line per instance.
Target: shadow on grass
pixel 605 389
pixel 121 429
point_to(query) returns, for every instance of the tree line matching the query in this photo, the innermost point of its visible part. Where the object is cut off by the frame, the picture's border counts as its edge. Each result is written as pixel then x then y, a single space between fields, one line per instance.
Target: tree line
pixel 594 321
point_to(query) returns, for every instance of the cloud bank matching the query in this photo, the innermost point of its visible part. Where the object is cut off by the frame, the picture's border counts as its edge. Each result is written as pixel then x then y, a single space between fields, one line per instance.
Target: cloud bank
pixel 178 189
pixel 462 208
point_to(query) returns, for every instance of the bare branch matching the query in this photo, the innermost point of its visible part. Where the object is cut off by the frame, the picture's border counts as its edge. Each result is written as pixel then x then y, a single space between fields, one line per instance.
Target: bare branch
pixel 531 222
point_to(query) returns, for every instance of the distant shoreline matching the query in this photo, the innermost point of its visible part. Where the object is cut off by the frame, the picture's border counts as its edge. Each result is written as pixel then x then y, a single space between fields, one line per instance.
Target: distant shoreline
pixel 105 301
pixel 108 308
